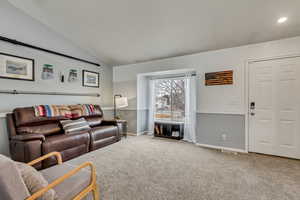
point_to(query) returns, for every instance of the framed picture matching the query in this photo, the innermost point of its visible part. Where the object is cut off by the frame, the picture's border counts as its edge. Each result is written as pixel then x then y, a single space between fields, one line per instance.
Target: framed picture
pixel 73 77
pixel 90 79
pixel 48 72
pixel 15 67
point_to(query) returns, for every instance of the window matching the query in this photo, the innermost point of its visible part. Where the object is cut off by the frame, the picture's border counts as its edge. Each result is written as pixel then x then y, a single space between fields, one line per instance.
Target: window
pixel 169 99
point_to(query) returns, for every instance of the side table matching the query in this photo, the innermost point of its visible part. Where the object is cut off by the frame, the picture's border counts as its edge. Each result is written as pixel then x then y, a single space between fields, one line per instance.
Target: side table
pixel 122 125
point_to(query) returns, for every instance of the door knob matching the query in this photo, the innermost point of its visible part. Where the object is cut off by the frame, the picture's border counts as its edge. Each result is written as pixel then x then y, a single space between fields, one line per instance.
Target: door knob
pixel 252 108
pixel 252 105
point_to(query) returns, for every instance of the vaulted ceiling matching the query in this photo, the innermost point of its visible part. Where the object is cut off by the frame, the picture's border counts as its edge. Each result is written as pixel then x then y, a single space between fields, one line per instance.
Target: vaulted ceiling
pixel 129 31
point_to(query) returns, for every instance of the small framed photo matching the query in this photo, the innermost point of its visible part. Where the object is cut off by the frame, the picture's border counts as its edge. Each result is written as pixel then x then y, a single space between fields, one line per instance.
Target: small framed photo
pixel 15 67
pixel 90 79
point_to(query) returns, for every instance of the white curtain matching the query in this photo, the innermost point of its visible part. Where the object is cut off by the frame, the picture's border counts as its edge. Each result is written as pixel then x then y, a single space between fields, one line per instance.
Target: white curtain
pixel 190 109
pixel 151 107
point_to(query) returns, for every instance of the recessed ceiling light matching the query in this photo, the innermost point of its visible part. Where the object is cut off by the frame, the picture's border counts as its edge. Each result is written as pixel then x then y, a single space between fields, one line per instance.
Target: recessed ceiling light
pixel 282 20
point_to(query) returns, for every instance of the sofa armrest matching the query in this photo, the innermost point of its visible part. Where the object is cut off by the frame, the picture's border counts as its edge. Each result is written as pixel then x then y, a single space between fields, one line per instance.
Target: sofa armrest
pixel 28 137
pixel 111 122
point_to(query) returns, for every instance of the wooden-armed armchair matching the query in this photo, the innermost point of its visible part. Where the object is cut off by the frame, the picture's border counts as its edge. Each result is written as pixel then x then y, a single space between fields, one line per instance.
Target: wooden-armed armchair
pixel 69 182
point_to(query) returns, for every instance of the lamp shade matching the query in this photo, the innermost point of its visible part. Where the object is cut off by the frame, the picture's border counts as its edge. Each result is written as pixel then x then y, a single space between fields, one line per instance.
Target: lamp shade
pixel 121 102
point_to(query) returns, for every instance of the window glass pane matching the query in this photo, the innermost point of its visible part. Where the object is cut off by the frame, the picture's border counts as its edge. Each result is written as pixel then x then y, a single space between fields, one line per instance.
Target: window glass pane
pixel 163 99
pixel 178 100
pixel 169 99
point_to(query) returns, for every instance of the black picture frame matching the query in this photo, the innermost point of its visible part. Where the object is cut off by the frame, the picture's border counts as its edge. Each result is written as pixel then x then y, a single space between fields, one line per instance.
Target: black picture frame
pixel 19 57
pixel 84 81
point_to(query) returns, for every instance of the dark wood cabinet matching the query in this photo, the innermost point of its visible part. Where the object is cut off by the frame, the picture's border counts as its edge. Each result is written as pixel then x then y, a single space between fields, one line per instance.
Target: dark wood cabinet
pixel 173 130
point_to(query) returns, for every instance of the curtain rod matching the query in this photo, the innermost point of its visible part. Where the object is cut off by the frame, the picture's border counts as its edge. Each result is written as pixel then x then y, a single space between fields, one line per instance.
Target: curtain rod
pixel 5 39
pixel 169 76
pixel 15 92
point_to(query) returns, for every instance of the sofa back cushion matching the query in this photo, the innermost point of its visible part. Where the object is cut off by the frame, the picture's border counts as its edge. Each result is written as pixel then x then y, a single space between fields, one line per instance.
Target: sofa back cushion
pixel 53 111
pixel 44 129
pixel 12 185
pixel 26 117
pixel 85 110
pixel 94 120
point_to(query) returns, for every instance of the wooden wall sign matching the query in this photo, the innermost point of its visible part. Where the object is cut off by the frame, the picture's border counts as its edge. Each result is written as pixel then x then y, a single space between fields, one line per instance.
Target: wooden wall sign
pixel 219 78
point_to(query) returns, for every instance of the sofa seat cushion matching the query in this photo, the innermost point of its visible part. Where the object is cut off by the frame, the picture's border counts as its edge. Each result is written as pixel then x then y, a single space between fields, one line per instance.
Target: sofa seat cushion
pixel 102 132
pixel 70 146
pixel 72 186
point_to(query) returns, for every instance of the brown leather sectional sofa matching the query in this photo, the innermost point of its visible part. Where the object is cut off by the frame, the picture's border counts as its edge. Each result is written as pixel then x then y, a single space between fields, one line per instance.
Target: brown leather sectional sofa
pixel 32 137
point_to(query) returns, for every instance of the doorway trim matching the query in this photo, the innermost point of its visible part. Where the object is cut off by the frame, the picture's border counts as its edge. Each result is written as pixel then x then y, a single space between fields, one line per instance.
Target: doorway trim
pixel 247 90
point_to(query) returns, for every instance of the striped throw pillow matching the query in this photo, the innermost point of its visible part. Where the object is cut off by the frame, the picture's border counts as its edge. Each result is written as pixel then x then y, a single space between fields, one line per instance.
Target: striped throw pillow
pixel 75 125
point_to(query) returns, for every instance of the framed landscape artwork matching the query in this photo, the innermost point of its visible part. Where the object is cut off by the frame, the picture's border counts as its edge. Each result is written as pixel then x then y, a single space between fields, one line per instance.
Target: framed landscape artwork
pixel 90 79
pixel 15 67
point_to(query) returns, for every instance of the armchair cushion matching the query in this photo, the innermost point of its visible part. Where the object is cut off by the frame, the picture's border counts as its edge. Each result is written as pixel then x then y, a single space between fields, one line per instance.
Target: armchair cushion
pixel 35 181
pixel 69 188
pixel 11 181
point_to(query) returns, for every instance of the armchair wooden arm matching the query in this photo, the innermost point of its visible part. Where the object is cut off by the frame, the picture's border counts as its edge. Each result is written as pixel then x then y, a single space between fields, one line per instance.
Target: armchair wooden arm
pixel 56 154
pixel 93 187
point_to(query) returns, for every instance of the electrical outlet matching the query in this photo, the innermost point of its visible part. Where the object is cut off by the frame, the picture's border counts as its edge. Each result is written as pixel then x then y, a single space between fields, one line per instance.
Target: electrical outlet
pixel 224 137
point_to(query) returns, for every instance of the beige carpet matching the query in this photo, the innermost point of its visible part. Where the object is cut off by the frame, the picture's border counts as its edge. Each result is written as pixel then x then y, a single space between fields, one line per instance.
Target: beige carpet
pixel 149 168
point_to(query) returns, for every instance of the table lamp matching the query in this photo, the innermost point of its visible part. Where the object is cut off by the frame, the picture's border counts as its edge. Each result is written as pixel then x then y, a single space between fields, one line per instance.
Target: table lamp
pixel 119 102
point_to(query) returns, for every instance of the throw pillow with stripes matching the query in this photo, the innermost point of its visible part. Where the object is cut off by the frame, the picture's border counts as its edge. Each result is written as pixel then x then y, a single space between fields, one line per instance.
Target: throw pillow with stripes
pixel 75 125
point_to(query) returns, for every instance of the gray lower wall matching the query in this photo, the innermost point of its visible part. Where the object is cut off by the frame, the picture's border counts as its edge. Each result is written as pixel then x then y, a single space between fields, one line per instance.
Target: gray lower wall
pixel 211 127
pixel 4 145
pixel 131 117
pixel 142 123
pixel 209 130
pixel 108 114
pixel 137 120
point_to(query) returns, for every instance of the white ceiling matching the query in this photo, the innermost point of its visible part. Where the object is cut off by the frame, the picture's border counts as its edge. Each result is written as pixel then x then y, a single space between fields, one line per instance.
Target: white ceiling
pixel 129 31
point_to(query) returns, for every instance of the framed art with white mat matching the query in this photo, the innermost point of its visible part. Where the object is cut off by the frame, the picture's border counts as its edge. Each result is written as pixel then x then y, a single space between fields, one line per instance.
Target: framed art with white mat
pixel 90 79
pixel 16 67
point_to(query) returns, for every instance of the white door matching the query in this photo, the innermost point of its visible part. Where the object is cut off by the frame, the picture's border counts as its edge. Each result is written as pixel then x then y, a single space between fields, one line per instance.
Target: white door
pixel 274 110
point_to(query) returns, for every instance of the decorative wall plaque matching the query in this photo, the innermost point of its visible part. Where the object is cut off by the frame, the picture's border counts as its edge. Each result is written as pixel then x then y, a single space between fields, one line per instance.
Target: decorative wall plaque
pixel 219 78
pixel 15 67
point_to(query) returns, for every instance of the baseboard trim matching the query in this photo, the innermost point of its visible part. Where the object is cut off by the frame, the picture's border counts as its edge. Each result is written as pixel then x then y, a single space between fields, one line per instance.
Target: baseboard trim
pixel 142 133
pixel 131 134
pixel 222 148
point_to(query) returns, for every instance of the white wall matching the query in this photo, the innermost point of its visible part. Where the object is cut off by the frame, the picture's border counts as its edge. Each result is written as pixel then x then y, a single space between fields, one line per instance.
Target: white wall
pixel 16 25
pixel 221 109
pixel 228 99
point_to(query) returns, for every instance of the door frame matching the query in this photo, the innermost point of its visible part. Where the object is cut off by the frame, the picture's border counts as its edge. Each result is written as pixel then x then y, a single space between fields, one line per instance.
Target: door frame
pixel 247 91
